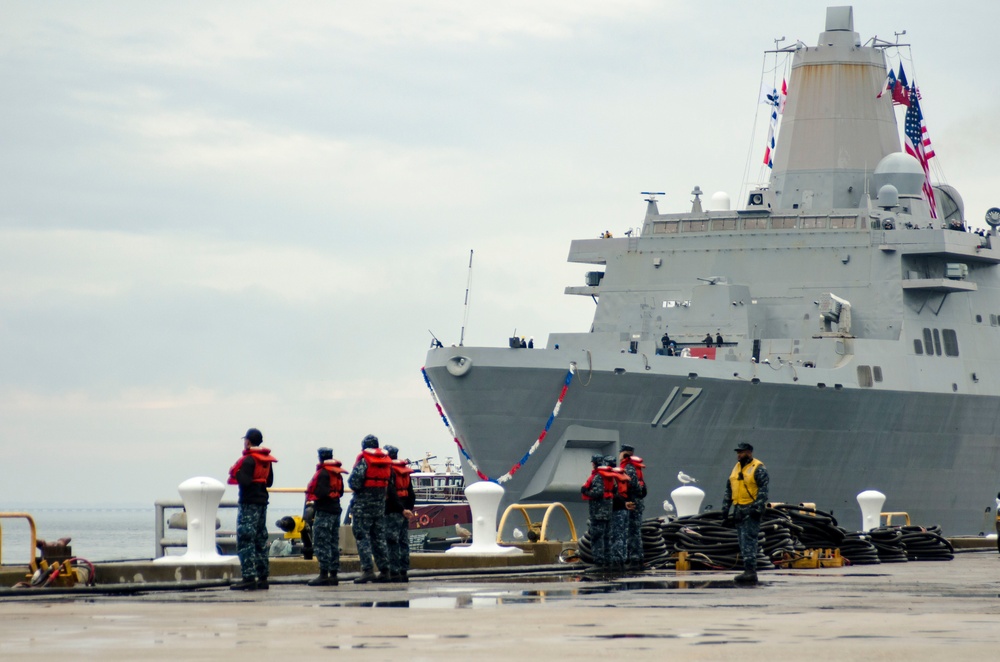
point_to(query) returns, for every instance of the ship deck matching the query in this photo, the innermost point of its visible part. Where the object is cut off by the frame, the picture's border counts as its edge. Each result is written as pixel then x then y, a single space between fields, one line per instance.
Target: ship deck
pixel 889 611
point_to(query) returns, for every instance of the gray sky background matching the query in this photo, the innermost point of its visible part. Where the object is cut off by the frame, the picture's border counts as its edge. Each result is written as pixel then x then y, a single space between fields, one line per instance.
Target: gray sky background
pixel 232 214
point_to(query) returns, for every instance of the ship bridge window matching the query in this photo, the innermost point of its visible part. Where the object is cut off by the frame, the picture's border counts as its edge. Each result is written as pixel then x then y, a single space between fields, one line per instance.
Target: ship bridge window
pixel 665 227
pixel 843 222
pixel 933 340
pixel 877 372
pixel 694 226
pixel 755 223
pixel 724 224
pixel 783 223
pixel 812 222
pixel 937 342
pixel 918 347
pixel 993 319
pixel 865 376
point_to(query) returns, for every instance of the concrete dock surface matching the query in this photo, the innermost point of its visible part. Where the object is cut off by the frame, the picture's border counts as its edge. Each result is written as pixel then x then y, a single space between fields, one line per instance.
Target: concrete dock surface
pixel 906 611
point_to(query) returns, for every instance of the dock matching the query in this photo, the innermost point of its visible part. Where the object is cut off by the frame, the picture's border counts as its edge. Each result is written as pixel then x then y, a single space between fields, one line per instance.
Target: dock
pixel 913 611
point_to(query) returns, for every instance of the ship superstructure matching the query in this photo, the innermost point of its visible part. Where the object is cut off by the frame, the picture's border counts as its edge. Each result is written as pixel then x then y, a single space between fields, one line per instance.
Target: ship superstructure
pixel 858 328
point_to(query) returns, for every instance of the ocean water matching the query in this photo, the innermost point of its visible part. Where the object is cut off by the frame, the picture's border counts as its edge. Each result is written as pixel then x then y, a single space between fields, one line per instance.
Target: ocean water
pixel 103 533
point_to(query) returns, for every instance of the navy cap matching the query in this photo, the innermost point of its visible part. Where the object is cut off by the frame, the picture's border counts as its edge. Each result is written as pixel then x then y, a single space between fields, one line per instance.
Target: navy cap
pixel 610 461
pixel 324 454
pixel 626 448
pixel 370 441
pixel 597 459
pixel 254 436
pixel 743 446
pixel 392 451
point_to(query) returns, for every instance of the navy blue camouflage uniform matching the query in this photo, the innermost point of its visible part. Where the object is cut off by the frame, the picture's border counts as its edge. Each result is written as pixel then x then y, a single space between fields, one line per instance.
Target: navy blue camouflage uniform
pixel 397 526
pixel 636 494
pixel 618 533
pixel 251 514
pixel 599 522
pixel 368 519
pixel 747 518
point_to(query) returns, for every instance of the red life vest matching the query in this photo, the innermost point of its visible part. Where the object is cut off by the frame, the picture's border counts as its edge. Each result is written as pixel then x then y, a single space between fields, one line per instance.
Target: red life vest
pixel 607 477
pixel 401 477
pixel 262 464
pixel 639 466
pixel 334 468
pixel 379 467
pixel 623 481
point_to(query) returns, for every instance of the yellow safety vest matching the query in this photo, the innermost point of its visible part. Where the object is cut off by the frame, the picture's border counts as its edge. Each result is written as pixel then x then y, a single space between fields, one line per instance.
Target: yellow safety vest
pixel 744 491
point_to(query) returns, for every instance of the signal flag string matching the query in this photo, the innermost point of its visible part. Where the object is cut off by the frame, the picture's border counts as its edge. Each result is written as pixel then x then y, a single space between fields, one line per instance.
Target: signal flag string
pixel 520 463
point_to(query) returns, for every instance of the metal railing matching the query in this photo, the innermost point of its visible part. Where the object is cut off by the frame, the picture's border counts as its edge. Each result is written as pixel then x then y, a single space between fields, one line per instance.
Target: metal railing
pixel 32 540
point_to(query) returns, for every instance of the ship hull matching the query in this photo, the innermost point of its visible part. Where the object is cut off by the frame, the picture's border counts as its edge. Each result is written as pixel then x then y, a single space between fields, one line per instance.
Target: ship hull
pixel 935 456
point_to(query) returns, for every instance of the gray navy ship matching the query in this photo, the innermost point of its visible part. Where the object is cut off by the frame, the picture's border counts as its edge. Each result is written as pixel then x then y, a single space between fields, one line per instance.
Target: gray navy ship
pixel 858 331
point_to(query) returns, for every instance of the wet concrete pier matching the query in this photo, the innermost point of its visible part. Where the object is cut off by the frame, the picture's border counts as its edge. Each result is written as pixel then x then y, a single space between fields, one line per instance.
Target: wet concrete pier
pixel 908 611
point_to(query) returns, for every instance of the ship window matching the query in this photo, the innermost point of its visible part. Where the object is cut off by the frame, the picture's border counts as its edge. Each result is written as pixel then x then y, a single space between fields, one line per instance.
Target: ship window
pixel 694 226
pixel 979 319
pixel 993 319
pixel 783 223
pixel 929 342
pixel 918 347
pixel 724 224
pixel 665 227
pixel 755 223
pixel 950 342
pixel 843 222
pixel 877 372
pixel 813 222
pixel 937 342
pixel 864 376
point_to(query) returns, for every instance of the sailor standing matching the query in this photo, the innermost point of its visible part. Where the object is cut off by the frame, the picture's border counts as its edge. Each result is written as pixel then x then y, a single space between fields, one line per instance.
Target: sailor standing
pixel 617 536
pixel 323 498
pixel 598 492
pixel 399 503
pixel 747 488
pixel 369 480
pixel 633 466
pixel 254 474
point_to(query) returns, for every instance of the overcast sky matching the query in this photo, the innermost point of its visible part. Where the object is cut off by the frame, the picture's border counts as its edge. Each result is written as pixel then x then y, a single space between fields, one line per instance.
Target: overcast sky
pixel 232 214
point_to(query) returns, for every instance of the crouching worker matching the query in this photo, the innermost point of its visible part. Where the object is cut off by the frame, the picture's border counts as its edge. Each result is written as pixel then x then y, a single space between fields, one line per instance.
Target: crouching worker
pixel 323 497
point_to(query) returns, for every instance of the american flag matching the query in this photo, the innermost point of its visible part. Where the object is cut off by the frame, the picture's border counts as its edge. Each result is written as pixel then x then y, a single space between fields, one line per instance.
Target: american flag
pixel 918 144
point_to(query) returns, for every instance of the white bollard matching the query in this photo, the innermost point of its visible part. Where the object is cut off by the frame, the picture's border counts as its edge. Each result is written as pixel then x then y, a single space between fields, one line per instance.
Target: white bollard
pixel 484 500
pixel 687 499
pixel 201 497
pixel 871 509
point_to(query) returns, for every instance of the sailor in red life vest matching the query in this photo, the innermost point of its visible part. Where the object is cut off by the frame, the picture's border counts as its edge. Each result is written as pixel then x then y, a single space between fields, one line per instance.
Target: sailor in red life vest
pixel 633 466
pixel 617 544
pixel 369 480
pixel 399 503
pixel 254 474
pixel 598 491
pixel 323 498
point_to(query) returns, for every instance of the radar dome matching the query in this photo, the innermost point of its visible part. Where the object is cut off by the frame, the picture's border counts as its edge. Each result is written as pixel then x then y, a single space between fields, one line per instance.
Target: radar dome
pixel 902 171
pixel 720 201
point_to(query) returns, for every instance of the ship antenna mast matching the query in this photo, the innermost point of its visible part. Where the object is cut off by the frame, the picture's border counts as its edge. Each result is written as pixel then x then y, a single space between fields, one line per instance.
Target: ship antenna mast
pixel 465 319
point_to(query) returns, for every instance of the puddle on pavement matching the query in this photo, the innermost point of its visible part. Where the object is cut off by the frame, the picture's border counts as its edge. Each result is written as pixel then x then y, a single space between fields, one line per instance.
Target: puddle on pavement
pixel 494 598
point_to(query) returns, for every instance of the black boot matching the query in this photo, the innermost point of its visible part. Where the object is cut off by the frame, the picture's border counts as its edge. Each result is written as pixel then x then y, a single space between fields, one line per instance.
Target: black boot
pixel 262 584
pixel 746 577
pixel 402 577
pixel 384 577
pixel 367 576
pixel 322 580
pixel 245 584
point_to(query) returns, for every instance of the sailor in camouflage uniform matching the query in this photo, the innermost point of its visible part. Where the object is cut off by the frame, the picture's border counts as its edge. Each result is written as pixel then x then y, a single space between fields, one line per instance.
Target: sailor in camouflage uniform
pixel 747 490
pixel 617 536
pixel 399 503
pixel 633 466
pixel 323 501
pixel 369 479
pixel 254 473
pixel 598 491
